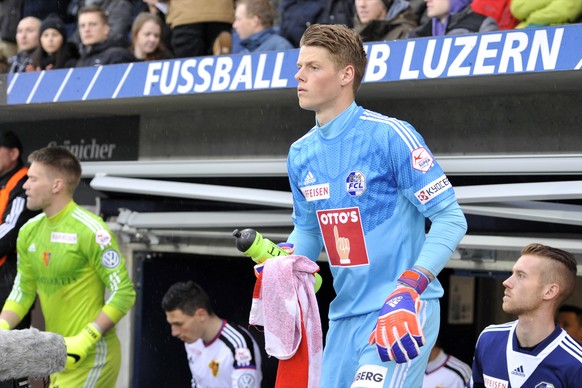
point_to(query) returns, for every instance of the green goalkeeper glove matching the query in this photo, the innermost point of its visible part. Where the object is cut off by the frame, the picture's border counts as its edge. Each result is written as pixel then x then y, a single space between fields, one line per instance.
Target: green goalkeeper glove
pixel 4 325
pixel 79 345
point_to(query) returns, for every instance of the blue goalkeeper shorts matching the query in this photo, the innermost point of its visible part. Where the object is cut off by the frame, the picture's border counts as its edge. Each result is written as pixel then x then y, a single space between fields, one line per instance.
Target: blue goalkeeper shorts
pixel 349 362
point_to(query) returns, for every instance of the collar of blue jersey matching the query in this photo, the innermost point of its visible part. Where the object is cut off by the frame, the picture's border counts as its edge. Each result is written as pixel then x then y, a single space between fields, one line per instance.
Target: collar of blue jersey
pixel 338 124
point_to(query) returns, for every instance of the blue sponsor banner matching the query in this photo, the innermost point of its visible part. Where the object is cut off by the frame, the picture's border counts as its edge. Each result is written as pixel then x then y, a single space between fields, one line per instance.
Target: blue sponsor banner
pixel 504 52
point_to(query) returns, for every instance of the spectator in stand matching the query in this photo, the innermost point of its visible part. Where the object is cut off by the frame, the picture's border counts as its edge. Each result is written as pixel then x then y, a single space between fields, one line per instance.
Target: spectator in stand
pixel 452 17
pixel 54 52
pixel 3 61
pixel 27 41
pixel 296 16
pixel 96 47
pixel 10 15
pixel 378 20
pixel 117 12
pixel 444 370
pixel 570 319
pixel 146 35
pixel 538 13
pixel 200 27
pixel 253 22
pixel 160 9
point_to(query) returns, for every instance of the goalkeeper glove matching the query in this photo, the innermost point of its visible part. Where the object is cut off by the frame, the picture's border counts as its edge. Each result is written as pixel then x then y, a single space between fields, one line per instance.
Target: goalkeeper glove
pixel 79 345
pixel 398 333
pixel 4 325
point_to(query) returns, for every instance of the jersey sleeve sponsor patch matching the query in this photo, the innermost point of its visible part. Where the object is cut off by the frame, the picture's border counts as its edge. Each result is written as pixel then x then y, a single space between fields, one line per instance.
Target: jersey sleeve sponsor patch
pixel 110 258
pixel 246 380
pixel 422 159
pixel 243 357
pixel 343 236
pixel 102 237
pixel 433 189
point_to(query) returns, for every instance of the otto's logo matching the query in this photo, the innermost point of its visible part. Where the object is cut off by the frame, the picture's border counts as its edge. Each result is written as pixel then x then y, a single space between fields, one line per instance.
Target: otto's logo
pixel 343 236
pixel 339 217
pixel 355 183
pixel 421 159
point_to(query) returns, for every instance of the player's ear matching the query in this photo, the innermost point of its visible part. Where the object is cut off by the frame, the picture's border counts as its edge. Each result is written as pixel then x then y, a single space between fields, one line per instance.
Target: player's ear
pixel 348 73
pixel 201 313
pixel 552 291
pixel 58 185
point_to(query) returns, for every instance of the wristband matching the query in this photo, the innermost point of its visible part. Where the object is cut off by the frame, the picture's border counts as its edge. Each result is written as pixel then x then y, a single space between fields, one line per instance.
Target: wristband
pixel 414 278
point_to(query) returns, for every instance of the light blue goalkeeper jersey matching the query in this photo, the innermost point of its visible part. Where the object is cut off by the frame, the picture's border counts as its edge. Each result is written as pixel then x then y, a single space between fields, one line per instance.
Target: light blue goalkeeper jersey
pixel 365 193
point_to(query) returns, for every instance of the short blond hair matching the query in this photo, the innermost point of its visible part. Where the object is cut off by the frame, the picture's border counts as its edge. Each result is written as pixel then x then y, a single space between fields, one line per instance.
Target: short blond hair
pixel 344 45
pixel 560 270
pixel 61 160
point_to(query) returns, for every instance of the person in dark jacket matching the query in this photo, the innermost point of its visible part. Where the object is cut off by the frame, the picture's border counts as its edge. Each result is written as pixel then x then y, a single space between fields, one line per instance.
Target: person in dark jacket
pixel 379 20
pixel 27 41
pixel 54 52
pixel 253 22
pixel 453 17
pixel 10 15
pixel 96 47
pixel 13 210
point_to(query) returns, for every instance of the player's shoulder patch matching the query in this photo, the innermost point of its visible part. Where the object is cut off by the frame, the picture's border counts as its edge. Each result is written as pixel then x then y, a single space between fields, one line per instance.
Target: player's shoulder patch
pixel 110 258
pixel 103 237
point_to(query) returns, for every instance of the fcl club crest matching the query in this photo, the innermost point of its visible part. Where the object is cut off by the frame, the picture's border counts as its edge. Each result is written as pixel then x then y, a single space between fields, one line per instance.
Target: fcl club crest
pixel 46 258
pixel 355 183
pixel 214 367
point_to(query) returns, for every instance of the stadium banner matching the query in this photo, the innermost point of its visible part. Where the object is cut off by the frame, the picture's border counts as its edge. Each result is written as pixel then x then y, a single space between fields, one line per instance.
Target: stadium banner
pixel 91 140
pixel 495 53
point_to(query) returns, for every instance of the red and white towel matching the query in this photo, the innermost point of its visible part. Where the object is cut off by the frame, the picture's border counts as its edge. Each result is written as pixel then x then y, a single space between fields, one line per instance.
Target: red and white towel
pixel 284 303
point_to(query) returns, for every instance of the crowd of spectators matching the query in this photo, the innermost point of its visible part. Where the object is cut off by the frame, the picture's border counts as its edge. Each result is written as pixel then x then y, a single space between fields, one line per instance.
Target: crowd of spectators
pixel 43 35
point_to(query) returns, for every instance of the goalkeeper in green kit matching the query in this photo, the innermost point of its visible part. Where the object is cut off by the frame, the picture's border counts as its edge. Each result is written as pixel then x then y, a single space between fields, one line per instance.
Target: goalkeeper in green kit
pixel 69 257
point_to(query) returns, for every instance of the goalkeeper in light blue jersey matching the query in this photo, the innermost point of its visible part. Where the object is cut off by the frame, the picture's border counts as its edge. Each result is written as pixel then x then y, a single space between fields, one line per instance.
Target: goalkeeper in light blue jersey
pixel 363 185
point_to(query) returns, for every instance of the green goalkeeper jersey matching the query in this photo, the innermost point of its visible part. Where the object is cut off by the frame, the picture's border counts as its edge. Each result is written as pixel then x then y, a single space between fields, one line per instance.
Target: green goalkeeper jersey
pixel 69 259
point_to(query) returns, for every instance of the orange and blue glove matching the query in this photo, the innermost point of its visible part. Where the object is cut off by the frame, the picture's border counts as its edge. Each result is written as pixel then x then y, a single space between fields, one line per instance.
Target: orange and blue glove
pixel 398 333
